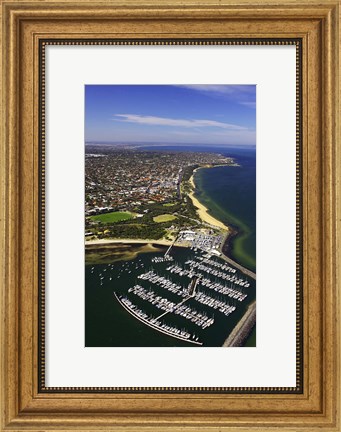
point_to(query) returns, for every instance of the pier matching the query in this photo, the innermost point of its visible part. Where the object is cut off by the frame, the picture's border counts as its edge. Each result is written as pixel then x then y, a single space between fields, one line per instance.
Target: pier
pixel 169 249
pixel 155 324
pixel 183 296
pixel 192 286
pixel 222 306
pixel 166 312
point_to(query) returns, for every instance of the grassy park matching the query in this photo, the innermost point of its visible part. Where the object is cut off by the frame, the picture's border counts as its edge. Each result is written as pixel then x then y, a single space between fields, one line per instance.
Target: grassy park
pixel 169 204
pixel 164 218
pixel 112 217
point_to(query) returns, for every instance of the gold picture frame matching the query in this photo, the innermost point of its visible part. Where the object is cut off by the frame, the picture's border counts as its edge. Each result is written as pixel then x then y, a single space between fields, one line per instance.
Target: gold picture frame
pixel 28 26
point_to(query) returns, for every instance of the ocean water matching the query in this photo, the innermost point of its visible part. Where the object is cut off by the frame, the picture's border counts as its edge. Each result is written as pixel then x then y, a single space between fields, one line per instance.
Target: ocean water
pixel 230 195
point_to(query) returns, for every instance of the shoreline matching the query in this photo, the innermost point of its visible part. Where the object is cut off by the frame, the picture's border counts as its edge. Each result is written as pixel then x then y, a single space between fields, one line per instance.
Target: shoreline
pixel 202 210
pixel 231 231
pixel 225 255
pixel 132 241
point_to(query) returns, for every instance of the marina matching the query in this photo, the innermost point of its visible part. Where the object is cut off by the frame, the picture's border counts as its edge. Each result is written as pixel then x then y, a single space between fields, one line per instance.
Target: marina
pixel 185 295
pixel 156 324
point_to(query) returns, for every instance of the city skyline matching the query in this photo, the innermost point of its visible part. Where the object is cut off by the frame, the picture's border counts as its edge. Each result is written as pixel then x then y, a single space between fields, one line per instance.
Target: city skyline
pixel 197 114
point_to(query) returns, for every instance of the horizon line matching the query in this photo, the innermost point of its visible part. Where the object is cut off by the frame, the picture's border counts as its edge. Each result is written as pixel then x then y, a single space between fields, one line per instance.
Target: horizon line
pixel 94 142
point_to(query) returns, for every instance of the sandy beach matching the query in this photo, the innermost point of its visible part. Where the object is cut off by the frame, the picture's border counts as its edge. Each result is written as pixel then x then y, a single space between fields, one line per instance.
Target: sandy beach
pixel 149 242
pixel 113 241
pixel 202 210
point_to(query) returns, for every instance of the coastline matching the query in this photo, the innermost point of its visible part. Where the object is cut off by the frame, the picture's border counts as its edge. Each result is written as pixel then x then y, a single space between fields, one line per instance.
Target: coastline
pixel 203 210
pixel 244 327
pixel 123 240
pixel 231 231
pixel 143 241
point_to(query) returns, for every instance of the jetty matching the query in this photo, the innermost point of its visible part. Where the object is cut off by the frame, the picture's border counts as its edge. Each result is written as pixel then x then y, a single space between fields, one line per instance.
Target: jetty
pixel 243 328
pixel 170 247
pixel 155 324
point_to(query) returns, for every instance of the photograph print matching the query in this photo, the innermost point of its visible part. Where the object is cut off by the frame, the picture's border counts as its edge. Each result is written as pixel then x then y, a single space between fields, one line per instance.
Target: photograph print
pixel 170 215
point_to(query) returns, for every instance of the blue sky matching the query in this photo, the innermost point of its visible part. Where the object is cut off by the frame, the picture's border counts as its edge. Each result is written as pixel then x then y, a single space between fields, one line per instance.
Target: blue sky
pixel 201 114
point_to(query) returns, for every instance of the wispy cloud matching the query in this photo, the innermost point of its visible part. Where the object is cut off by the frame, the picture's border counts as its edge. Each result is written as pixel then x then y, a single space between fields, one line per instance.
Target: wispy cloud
pixel 171 122
pixel 219 88
pixel 249 104
pixel 241 94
